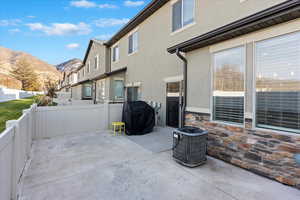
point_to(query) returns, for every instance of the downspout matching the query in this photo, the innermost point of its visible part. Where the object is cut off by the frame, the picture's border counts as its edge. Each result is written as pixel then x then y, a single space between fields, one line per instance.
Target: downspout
pixel 183 106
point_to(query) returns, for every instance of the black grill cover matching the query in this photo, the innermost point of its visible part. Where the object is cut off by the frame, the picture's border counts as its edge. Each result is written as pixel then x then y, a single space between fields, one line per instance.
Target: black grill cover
pixel 139 118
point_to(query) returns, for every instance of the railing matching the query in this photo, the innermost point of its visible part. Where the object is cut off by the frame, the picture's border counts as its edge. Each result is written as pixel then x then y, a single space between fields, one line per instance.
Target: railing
pixel 15 146
pixel 45 122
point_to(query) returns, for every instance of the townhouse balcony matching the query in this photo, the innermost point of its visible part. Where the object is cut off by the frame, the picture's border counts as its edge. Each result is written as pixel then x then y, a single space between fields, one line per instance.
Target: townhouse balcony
pixel 69 153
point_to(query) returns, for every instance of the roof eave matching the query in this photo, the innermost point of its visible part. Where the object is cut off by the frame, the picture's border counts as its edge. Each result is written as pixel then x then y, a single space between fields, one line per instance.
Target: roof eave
pixel 152 7
pixel 277 14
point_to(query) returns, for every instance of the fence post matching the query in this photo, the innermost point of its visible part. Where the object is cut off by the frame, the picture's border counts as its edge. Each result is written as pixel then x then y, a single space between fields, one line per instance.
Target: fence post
pixel 106 115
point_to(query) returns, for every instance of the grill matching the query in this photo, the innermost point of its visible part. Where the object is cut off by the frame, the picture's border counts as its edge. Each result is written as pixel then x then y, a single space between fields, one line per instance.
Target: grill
pixel 189 146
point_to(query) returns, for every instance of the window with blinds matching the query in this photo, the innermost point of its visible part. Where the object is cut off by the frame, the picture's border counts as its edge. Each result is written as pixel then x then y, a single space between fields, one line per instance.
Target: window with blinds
pixel 278 83
pixel 228 85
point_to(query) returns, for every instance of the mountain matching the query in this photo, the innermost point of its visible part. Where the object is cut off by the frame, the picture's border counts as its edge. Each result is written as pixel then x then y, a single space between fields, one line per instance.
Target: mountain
pixel 69 65
pixel 9 58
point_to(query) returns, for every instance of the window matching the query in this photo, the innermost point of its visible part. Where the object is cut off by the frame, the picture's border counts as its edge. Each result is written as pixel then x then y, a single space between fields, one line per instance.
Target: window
pixel 88 67
pixel 83 72
pixel 132 93
pixel 278 83
pixel 115 53
pixel 183 13
pixel 96 61
pixel 133 43
pixel 87 91
pixel 228 85
pixel 119 89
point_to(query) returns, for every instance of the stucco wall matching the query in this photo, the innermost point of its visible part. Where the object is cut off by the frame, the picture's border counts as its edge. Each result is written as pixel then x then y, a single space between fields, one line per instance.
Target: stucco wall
pixel 152 64
pixel 97 49
pixel 76 92
pixel 200 63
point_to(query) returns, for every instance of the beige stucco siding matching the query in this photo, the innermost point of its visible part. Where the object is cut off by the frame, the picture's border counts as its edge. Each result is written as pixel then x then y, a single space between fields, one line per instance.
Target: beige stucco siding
pixel 97 49
pixel 200 64
pixel 151 64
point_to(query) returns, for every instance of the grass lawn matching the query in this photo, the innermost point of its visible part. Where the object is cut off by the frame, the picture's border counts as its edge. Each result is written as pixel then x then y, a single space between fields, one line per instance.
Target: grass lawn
pixel 13 110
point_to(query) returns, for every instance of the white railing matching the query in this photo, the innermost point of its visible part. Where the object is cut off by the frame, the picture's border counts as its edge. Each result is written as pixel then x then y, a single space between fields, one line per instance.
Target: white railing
pixel 40 123
pixel 7 94
pixel 15 146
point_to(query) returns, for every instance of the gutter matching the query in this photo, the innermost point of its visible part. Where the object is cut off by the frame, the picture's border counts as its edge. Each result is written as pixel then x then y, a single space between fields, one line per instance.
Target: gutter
pixel 183 101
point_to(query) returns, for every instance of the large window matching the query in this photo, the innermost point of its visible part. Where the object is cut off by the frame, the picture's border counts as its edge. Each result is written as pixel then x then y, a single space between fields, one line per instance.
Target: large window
pixel 115 56
pixel 278 83
pixel 119 89
pixel 228 85
pixel 133 43
pixel 182 14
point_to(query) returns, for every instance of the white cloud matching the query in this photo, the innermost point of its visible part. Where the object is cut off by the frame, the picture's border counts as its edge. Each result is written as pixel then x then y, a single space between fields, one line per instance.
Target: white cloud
pixel 130 3
pixel 61 29
pixel 15 30
pixel 90 4
pixel 108 22
pixel 31 16
pixel 106 5
pixel 10 22
pixel 72 46
pixel 83 4
pixel 104 36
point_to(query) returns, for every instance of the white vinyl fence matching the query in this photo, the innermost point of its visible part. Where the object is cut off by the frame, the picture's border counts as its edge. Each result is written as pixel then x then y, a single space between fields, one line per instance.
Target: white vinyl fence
pixel 65 120
pixel 15 146
pixel 7 94
pixel 45 122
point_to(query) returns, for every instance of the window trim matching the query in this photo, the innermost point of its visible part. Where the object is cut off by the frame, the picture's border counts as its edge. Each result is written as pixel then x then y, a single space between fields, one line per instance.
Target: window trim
pixel 278 129
pixel 241 125
pixel 183 27
pixel 131 34
pixel 112 55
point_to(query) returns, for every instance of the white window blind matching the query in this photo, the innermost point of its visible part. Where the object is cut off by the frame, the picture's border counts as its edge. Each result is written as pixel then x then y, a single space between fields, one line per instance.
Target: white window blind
pixel 228 86
pixel 278 83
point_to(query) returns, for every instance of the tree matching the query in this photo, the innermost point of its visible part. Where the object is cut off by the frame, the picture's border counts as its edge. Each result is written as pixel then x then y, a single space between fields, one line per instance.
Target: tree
pixel 50 87
pixel 24 72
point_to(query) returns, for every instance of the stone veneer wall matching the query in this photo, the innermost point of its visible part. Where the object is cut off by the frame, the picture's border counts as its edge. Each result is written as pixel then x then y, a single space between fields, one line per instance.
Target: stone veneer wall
pixel 270 154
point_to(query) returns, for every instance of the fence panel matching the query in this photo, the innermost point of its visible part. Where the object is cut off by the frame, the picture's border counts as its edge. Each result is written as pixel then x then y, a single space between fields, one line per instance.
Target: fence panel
pixel 15 146
pixel 6 151
pixel 66 120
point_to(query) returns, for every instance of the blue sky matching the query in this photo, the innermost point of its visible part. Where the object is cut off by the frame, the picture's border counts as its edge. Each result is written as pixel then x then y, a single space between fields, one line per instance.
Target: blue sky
pixel 58 30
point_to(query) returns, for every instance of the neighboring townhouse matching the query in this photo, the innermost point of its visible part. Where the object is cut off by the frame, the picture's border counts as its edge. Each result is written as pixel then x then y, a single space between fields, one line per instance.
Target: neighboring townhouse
pixel 96 81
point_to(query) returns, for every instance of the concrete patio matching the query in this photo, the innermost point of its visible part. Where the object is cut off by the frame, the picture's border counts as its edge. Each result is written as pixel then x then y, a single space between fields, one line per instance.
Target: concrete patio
pixel 102 166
